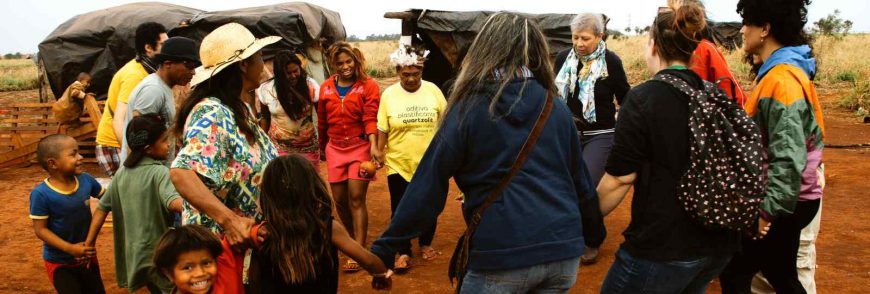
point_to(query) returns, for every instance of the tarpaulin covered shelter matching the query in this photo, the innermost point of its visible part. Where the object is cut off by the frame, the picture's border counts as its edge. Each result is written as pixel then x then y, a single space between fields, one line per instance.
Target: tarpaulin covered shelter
pixel 102 41
pixel 447 33
pixel 304 27
pixel 99 43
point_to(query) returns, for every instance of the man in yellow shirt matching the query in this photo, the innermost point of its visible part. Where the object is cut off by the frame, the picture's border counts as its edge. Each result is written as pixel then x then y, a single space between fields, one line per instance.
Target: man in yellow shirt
pixel 408 117
pixel 149 39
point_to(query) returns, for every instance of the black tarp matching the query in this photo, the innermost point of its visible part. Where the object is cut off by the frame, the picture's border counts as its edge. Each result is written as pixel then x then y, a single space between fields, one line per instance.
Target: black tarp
pixel 446 33
pixel 102 41
pixel 297 23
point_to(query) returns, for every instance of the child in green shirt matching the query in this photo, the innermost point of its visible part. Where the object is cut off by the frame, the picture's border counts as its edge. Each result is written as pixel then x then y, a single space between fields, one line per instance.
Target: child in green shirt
pixel 143 202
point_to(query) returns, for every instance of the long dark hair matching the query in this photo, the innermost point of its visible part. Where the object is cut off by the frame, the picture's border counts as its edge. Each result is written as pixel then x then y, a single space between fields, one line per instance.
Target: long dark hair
pixel 226 86
pixel 295 99
pixel 297 210
pixel 507 43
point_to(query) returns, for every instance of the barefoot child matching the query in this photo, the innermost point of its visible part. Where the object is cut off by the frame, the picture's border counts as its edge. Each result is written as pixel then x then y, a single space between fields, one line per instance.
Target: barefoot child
pixel 68 108
pixel 60 209
pixel 143 200
pixel 300 253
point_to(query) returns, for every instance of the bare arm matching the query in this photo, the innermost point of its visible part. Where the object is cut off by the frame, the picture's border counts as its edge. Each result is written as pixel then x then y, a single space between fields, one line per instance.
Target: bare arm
pixel 192 189
pixel 96 224
pixel 612 190
pixel 40 227
pixel 342 240
pixel 381 146
pixel 175 206
pixel 118 120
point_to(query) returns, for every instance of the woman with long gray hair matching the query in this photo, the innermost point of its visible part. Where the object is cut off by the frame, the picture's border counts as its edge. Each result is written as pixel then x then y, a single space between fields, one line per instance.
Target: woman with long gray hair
pixel 530 237
pixel 589 77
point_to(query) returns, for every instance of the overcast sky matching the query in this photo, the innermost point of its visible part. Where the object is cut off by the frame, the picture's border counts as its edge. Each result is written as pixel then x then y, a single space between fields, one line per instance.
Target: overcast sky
pixel 26 23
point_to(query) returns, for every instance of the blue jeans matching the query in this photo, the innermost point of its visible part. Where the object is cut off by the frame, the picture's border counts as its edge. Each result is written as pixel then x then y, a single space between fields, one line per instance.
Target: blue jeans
pixel 553 277
pixel 634 275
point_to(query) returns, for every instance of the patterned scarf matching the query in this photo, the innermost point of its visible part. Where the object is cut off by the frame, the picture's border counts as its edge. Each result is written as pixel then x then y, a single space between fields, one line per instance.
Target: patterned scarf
pixel 594 68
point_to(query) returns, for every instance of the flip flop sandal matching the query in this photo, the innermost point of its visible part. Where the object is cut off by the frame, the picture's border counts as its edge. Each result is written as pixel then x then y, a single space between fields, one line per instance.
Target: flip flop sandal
pixel 429 253
pixel 351 266
pixel 402 264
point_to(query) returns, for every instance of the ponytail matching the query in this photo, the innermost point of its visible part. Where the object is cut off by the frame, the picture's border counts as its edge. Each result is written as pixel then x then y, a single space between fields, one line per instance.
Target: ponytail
pixel 678 31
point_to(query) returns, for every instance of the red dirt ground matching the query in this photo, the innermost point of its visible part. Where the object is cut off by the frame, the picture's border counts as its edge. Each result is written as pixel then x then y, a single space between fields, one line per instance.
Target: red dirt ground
pixel 842 244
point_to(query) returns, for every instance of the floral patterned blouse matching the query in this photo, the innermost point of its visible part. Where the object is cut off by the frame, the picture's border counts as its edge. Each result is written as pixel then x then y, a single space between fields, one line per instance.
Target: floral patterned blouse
pixel 231 168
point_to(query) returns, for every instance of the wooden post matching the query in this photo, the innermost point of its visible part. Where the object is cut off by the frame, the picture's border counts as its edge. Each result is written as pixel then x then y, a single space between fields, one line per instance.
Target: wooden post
pixel 93 110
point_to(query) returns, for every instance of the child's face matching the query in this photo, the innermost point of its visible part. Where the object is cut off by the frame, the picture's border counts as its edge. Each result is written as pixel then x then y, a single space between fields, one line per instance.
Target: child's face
pixel 160 149
pixel 68 161
pixel 194 272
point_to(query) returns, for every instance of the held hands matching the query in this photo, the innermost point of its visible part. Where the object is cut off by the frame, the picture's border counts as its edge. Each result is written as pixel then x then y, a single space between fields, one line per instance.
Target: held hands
pixel 382 281
pixel 82 251
pixel 378 157
pixel 763 228
pixel 237 230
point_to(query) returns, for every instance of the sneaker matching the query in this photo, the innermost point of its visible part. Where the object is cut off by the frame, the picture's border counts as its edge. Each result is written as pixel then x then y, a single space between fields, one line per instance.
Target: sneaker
pixel 590 256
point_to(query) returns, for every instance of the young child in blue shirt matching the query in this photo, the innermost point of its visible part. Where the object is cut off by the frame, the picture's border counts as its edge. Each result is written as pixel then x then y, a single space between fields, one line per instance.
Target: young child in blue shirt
pixel 60 210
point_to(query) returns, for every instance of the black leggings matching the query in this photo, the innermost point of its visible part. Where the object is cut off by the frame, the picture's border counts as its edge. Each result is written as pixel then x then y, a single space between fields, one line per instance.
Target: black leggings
pixel 78 279
pixel 775 255
pixel 398 185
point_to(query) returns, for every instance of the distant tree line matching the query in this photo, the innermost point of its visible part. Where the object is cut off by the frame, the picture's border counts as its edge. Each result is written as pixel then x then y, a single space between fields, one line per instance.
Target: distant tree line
pixel 373 37
pixel 16 55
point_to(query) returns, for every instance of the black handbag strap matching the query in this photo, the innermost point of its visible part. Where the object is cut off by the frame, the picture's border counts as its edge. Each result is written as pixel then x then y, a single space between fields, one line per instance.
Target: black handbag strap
pixel 462 258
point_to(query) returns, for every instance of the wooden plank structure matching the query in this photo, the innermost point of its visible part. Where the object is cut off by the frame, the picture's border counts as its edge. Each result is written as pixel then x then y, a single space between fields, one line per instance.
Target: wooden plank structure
pixel 22 125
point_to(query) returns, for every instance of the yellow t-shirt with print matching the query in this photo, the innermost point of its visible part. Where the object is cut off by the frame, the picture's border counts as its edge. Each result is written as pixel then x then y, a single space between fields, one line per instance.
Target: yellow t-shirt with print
pixel 410 121
pixel 123 83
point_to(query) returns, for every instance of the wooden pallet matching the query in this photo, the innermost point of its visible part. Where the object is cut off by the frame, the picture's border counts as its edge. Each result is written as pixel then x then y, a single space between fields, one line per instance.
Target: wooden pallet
pixel 22 125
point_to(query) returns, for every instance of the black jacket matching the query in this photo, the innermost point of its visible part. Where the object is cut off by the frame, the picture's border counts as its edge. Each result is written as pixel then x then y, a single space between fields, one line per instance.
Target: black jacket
pixel 615 85
pixel 652 140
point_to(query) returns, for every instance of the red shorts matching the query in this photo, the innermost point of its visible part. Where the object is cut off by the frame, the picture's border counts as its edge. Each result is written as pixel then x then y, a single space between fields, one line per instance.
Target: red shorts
pixel 51 267
pixel 343 159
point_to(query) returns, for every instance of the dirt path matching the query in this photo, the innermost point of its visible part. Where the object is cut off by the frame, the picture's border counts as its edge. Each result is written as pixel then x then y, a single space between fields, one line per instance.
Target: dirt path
pixel 842 244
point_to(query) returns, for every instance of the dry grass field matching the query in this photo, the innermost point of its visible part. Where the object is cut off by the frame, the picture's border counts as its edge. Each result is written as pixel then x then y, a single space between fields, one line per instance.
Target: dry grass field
pixel 17 74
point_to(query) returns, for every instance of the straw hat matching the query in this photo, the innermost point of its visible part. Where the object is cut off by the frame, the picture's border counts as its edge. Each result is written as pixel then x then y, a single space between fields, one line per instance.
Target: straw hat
pixel 224 46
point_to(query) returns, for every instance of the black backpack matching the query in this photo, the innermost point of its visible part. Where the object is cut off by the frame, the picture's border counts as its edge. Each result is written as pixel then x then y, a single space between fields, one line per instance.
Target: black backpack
pixel 723 186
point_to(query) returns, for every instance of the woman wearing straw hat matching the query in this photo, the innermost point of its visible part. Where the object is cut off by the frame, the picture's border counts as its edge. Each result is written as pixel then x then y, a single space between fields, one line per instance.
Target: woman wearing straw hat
pixel 224 152
pixel 347 124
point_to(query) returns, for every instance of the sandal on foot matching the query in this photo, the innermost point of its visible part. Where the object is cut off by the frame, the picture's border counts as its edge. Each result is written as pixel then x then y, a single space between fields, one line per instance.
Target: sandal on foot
pixel 351 266
pixel 402 264
pixel 429 253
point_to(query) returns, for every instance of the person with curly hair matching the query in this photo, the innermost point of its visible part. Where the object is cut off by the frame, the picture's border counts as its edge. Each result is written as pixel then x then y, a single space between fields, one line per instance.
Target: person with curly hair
pixel 785 106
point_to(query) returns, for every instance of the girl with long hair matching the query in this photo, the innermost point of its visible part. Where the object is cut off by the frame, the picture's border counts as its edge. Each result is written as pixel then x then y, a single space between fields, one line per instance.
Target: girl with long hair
pixel 289 108
pixel 300 253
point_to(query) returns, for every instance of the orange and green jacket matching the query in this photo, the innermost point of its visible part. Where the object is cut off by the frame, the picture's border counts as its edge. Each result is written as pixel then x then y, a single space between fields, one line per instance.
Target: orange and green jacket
pixel 785 106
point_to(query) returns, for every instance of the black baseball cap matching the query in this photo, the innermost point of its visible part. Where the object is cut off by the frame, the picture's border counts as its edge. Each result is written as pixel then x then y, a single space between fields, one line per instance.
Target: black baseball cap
pixel 179 49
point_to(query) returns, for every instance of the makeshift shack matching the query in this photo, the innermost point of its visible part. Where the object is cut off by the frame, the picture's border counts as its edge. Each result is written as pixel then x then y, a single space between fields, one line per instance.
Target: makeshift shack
pixel 447 33
pixel 102 41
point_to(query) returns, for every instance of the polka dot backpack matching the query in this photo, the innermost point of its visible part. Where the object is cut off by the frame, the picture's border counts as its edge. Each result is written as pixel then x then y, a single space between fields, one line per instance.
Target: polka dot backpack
pixel 723 186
